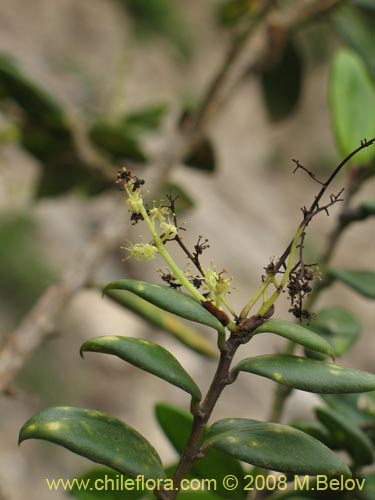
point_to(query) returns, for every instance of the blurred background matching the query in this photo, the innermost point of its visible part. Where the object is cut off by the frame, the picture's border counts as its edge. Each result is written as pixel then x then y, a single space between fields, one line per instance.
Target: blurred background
pixel 87 86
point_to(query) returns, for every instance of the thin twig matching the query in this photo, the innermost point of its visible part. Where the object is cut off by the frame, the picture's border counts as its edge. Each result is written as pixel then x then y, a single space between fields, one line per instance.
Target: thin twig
pixel 311 174
pixel 308 214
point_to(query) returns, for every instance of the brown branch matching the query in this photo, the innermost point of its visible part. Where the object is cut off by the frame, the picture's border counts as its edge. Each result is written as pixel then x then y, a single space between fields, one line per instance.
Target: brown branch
pixel 193 450
pixel 308 214
pixel 218 85
pixel 309 173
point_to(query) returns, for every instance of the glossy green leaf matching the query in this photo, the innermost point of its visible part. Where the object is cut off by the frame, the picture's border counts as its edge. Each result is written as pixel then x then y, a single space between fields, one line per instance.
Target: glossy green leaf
pixel 147 356
pixel 99 437
pixel 362 282
pixel 282 83
pixel 308 374
pixel 202 157
pixel 176 425
pixel 168 299
pixel 296 333
pixel 351 91
pixel 165 321
pixel 273 446
pixel 338 326
pixel 347 436
pixel 91 486
pixel 356 29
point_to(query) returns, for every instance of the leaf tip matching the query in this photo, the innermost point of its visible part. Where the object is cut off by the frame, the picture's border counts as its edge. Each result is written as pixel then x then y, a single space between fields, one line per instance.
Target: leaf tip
pixel 82 350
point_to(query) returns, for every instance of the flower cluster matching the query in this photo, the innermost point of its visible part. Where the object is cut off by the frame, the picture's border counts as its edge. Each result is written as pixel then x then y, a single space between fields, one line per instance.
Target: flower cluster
pixel 161 222
pixel 158 218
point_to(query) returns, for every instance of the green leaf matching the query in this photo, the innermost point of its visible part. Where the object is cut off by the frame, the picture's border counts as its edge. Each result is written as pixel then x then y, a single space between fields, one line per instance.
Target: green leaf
pixel 314 429
pixel 362 282
pixel 351 91
pixel 168 299
pixel 90 485
pixel 296 333
pixel 338 326
pixel 202 157
pixel 99 437
pixel 282 83
pixel 347 436
pixel 147 356
pixel 145 120
pixel 358 408
pixel 308 374
pixel 118 141
pixel 355 28
pixel 274 446
pixel 45 132
pixel 39 105
pixel 368 208
pixel 176 425
pixel 165 321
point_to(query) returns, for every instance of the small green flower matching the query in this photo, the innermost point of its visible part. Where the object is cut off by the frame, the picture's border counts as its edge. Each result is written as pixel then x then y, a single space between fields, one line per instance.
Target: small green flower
pixel 134 202
pixel 210 279
pixel 158 213
pixel 169 230
pixel 142 251
pixel 215 282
